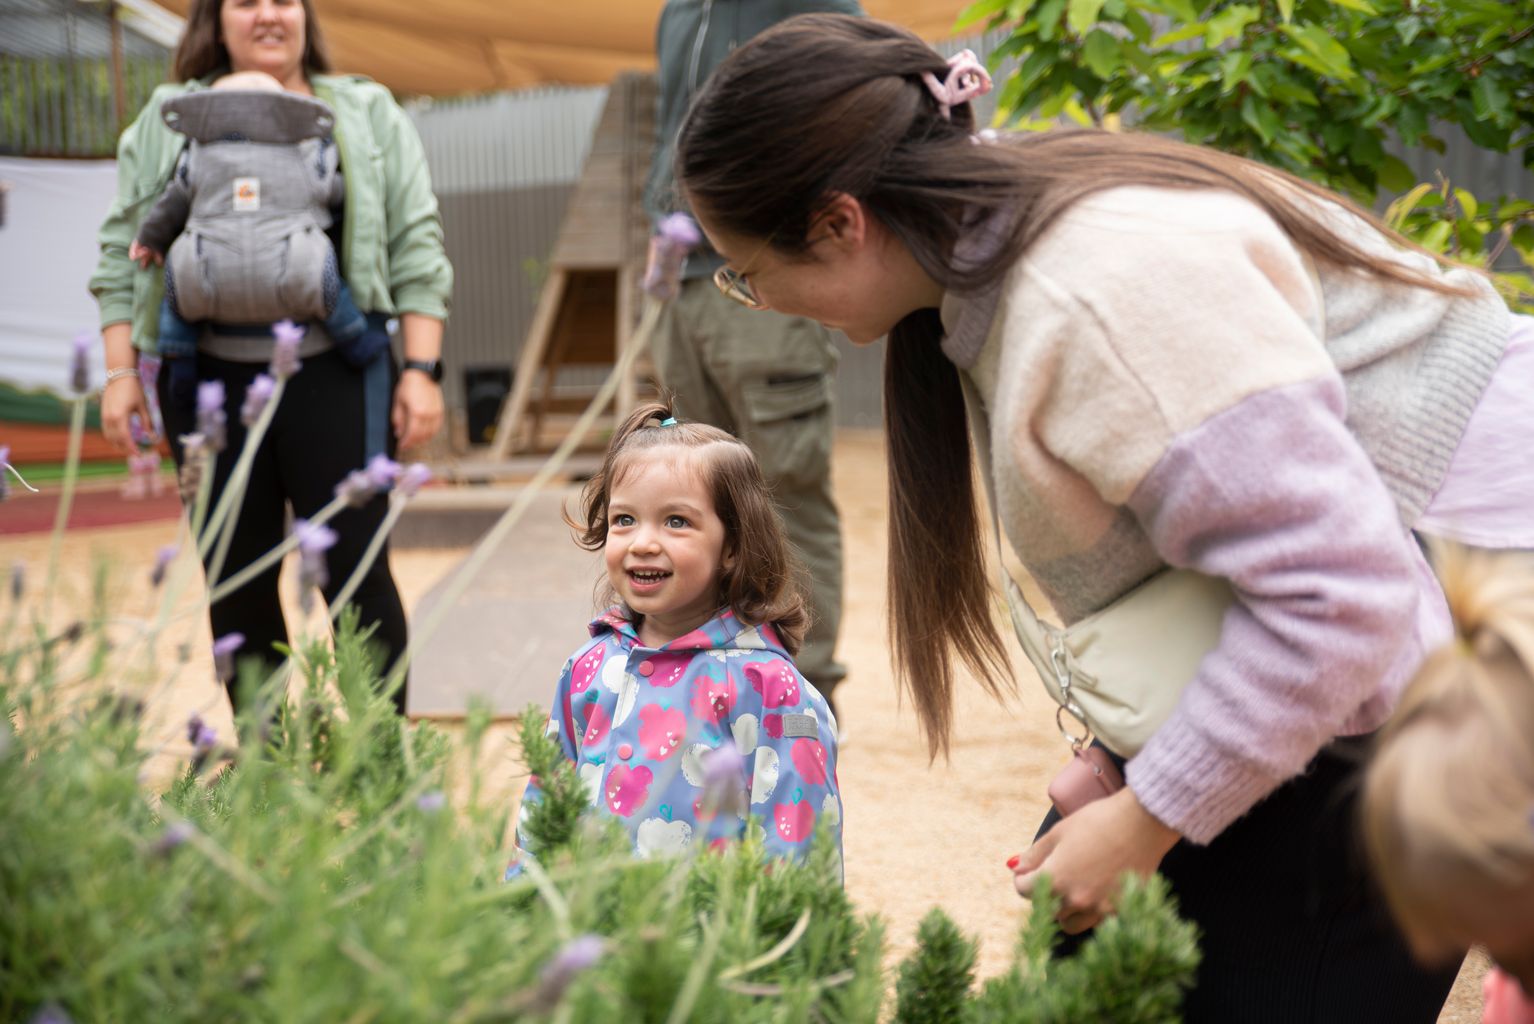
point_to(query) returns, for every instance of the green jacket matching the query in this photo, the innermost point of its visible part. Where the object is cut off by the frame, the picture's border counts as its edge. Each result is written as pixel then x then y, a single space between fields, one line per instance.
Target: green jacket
pixel 692 38
pixel 391 253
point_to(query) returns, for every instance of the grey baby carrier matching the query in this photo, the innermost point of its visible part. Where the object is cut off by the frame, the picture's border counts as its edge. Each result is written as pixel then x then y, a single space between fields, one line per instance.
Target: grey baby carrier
pixel 254 190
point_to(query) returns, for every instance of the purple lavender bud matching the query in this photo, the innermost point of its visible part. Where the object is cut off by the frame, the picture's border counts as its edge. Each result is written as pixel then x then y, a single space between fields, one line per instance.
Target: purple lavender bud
pixel 431 801
pixel 51 1013
pixel 79 364
pixel 363 485
pixel 162 560
pixel 210 413
pixel 285 361
pixel 313 541
pixel 256 397
pixel 724 780
pixel 223 653
pixel 175 834
pixel 313 538
pixel 579 954
pixel 681 230
pixel 383 471
pixel 357 488
pixel 18 579
pixel 668 251
pixel 412 478
pixel 142 435
pixel 199 733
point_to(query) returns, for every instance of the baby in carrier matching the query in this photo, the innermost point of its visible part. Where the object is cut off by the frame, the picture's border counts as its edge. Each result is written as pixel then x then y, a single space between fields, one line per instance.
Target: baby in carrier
pixel 241 227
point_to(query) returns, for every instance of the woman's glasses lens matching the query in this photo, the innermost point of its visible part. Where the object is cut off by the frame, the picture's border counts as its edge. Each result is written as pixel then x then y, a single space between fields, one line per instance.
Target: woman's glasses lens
pixel 736 287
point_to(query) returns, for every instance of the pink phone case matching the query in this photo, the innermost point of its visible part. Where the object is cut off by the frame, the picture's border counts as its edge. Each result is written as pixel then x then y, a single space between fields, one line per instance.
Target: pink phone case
pixel 1089 775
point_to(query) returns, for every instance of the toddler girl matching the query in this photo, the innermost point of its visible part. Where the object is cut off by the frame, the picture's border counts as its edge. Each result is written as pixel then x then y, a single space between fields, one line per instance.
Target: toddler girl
pixel 690 675
pixel 1448 802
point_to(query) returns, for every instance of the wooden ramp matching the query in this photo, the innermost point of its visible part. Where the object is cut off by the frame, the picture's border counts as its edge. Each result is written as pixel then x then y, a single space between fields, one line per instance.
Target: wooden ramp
pixel 589 304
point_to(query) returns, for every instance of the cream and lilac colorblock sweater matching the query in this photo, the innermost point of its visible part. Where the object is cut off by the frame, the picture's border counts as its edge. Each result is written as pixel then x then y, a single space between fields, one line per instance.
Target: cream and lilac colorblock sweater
pixel 1170 381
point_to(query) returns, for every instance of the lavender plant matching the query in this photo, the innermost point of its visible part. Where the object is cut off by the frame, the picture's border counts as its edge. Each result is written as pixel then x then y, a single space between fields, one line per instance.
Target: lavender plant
pixel 312 867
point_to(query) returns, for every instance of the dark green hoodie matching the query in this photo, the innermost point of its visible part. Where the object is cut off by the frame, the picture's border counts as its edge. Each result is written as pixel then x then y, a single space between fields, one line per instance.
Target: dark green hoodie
pixel 693 37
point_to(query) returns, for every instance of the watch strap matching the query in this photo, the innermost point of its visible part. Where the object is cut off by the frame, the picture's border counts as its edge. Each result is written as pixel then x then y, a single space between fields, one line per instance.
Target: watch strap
pixel 431 367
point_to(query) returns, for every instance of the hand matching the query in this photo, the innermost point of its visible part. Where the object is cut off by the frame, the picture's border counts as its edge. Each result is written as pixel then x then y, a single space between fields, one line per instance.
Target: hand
pixel 142 255
pixel 120 400
pixel 417 412
pixel 1087 853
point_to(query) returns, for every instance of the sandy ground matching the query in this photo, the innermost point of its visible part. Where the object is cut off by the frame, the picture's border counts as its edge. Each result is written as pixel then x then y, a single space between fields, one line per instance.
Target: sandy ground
pixel 917 835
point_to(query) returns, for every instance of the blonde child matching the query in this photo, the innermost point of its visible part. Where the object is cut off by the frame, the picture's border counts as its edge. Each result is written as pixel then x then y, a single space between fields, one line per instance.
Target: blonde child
pixel 1448 803
pixel 684 713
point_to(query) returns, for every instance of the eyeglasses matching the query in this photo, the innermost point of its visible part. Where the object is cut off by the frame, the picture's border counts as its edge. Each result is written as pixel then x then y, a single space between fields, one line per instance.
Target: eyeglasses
pixel 735 284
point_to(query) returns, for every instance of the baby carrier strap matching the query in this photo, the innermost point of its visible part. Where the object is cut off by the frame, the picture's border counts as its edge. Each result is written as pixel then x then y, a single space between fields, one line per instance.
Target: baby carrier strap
pixel 251 115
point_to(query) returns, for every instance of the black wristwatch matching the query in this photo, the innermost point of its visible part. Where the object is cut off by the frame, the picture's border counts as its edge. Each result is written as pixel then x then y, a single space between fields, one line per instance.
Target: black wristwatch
pixel 431 367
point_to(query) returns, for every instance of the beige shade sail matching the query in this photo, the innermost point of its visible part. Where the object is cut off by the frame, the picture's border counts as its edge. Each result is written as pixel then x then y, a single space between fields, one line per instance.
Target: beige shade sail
pixel 445 47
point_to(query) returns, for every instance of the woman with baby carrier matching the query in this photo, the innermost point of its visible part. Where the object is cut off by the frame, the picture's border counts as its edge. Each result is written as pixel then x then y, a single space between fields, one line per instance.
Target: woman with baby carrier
pixel 368 249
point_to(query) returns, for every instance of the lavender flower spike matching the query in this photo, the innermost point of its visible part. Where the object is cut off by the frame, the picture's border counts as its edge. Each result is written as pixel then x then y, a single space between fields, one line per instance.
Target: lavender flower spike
pixel 724 781
pixel 162 560
pixel 313 542
pixel 287 335
pixel 51 1013
pixel 194 449
pixel 79 365
pixel 668 251
pixel 256 397
pixel 356 489
pixel 579 954
pixel 223 653
pixel 681 230
pixel 200 734
pixel 431 801
pixel 5 464
pixel 383 471
pixel 210 414
pixel 413 478
pixel 175 834
pixel 363 485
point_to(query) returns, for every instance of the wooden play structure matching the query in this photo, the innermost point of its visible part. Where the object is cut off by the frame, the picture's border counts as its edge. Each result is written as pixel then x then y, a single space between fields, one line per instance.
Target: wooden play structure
pixel 589 304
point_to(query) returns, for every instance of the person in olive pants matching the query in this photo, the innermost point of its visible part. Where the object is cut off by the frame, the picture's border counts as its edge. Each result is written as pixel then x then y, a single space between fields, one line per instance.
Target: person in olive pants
pixel 769 379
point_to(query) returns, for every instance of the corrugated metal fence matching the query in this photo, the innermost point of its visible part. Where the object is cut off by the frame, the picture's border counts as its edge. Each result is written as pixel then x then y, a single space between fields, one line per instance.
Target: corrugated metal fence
pixel 56 97
pixel 503 167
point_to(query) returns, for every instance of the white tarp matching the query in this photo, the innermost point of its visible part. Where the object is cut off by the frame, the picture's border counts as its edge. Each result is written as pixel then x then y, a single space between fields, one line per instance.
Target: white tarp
pixel 47 253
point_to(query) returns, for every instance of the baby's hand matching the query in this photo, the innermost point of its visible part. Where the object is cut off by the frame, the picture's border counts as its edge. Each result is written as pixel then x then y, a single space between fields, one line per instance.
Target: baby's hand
pixel 142 254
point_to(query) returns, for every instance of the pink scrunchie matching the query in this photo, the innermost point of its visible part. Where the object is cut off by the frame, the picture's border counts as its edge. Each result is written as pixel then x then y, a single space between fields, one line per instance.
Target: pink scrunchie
pixel 966 79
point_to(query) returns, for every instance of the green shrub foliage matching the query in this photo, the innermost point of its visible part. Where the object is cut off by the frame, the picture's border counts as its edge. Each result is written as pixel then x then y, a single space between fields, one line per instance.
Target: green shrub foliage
pixel 1321 88
pixel 316 871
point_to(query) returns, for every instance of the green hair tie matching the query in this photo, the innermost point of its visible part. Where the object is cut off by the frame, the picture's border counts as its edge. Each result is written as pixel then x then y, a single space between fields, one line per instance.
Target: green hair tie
pixel 669 421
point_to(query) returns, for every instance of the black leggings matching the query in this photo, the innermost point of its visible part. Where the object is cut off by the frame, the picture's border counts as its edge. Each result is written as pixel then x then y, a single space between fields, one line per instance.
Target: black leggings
pixel 315 439
pixel 1291 929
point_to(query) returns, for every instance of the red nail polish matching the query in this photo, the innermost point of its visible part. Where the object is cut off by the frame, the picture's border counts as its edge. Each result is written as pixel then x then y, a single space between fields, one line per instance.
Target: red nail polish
pixel 1014 860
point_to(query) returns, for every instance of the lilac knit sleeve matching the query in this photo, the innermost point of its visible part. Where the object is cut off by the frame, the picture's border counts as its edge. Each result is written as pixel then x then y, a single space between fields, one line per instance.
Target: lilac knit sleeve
pixel 1275 495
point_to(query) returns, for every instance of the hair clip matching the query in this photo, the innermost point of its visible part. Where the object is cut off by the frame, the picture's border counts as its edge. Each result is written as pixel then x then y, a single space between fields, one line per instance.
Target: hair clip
pixel 669 421
pixel 967 78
